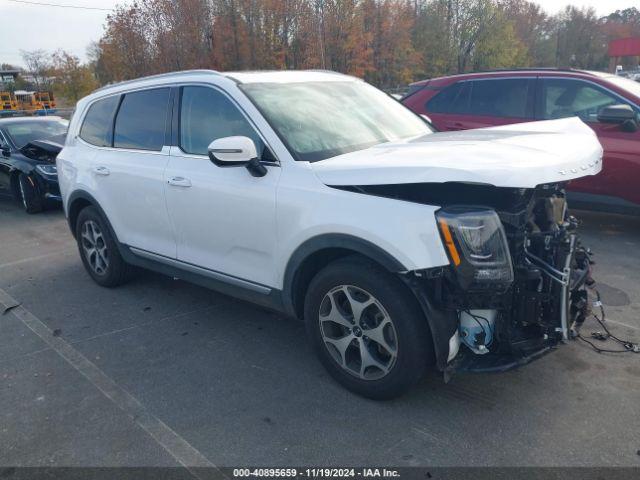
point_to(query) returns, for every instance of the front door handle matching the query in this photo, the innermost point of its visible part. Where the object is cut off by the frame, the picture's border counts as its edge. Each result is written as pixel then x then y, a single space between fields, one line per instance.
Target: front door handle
pixel 179 182
pixel 101 171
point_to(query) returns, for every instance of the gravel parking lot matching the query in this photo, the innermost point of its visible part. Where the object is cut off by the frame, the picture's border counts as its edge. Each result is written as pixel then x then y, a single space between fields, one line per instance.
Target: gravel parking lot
pixel 160 372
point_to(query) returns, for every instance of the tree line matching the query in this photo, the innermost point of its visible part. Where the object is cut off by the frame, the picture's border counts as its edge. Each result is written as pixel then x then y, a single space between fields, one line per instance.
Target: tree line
pixel 387 42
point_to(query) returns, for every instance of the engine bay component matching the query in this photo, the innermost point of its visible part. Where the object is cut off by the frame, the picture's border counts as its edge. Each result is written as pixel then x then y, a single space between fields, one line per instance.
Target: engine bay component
pixel 512 251
pixel 476 329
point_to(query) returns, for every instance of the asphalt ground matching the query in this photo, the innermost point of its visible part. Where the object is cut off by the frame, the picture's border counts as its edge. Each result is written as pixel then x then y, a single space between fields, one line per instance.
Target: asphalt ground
pixel 160 372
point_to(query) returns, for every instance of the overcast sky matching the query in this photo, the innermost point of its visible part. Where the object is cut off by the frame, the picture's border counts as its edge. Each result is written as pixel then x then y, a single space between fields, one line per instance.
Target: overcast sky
pixel 31 27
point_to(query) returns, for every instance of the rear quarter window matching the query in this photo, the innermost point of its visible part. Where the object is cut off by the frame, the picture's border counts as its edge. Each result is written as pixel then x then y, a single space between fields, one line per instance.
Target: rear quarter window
pixel 96 127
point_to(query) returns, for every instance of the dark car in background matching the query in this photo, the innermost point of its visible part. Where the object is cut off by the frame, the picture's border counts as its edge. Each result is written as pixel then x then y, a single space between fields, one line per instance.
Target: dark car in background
pixel 609 104
pixel 29 147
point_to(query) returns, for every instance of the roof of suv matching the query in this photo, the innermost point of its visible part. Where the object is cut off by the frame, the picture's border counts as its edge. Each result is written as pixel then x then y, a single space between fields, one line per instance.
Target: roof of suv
pixel 519 71
pixel 273 76
pixel 287 76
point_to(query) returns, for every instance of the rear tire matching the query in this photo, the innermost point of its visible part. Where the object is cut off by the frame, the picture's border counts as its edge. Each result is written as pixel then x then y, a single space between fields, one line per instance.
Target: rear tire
pixel 367 328
pixel 29 194
pixel 99 250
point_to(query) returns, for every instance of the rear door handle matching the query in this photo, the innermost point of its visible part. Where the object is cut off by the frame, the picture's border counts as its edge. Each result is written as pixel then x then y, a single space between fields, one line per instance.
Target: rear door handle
pixel 101 171
pixel 179 182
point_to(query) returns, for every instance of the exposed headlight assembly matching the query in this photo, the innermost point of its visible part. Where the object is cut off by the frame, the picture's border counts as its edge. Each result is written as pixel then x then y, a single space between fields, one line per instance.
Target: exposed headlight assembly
pixel 477 247
pixel 47 170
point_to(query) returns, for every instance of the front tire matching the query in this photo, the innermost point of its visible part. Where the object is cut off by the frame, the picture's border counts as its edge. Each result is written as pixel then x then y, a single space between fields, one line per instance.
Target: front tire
pixel 99 250
pixel 29 194
pixel 367 328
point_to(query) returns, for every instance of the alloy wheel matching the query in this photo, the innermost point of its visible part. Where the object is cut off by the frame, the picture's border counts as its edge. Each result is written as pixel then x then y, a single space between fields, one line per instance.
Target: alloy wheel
pixel 358 332
pixel 94 247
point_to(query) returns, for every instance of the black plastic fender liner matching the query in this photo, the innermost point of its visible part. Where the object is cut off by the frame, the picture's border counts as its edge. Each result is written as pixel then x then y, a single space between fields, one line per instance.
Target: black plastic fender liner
pixel 442 323
pixel 328 241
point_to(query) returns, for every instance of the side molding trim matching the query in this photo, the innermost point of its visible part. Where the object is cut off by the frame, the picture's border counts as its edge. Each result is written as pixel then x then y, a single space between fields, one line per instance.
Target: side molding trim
pixel 214 275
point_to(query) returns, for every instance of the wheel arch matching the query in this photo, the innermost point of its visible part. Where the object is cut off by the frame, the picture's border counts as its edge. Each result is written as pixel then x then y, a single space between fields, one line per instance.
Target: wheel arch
pixel 19 167
pixel 312 255
pixel 80 200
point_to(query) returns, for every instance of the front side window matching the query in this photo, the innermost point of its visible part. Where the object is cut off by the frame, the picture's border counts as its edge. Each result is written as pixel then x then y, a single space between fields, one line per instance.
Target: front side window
pixel 319 120
pixel 562 98
pixel 207 115
pixel 140 123
pixel 96 128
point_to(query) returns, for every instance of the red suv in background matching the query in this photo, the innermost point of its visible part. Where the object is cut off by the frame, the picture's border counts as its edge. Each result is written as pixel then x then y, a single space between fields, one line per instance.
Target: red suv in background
pixel 609 104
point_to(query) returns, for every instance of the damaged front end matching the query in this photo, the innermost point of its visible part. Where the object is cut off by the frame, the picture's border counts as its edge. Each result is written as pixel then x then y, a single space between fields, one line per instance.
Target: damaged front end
pixel 516 282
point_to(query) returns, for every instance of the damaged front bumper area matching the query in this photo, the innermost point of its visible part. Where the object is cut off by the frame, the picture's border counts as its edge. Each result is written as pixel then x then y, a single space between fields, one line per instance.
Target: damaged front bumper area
pixel 516 284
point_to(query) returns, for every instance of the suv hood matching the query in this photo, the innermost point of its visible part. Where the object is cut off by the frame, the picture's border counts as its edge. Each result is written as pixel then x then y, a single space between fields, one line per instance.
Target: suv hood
pixel 522 156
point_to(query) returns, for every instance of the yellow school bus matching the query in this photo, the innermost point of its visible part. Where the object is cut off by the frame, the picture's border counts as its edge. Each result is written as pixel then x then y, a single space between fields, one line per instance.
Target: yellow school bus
pixel 8 102
pixel 46 99
pixel 27 102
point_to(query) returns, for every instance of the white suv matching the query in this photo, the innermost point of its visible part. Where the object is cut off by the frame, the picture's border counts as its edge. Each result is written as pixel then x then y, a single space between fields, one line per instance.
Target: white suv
pixel 317 195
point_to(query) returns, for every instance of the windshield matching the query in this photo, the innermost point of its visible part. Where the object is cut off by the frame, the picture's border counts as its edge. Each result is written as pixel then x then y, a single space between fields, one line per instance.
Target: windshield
pixel 319 120
pixel 24 132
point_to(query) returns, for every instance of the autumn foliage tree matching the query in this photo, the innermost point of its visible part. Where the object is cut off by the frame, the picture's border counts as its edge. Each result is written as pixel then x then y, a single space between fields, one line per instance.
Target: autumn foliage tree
pixel 387 42
pixel 71 79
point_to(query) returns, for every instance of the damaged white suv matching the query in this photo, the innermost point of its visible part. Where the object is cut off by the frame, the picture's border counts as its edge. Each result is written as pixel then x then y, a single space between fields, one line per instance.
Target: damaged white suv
pixel 317 195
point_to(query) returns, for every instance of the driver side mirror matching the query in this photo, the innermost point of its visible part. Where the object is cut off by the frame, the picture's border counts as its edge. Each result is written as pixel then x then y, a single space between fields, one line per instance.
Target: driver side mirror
pixel 236 152
pixel 622 115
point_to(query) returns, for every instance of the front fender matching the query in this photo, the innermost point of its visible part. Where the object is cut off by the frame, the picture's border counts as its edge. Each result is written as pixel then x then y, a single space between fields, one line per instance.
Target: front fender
pixel 403 231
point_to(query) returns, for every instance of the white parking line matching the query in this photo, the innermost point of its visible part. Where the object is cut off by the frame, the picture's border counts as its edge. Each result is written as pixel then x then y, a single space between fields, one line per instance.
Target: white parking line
pixel 184 453
pixel 37 257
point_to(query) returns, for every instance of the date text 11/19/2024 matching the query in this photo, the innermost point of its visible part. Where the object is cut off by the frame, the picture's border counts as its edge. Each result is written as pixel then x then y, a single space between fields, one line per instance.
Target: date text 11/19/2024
pixel 315 473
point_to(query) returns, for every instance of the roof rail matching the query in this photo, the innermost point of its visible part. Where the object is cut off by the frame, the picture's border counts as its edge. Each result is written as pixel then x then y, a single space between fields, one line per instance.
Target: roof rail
pixel 325 70
pixel 524 69
pixel 159 75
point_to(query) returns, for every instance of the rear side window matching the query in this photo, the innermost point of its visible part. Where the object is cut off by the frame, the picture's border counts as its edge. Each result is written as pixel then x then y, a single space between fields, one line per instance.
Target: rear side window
pixel 501 98
pixel 96 128
pixel 206 115
pixel 494 98
pixel 140 123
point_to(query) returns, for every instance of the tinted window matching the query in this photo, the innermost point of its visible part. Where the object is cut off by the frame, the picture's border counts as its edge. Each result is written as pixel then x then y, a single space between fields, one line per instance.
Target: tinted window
pixel 96 128
pixel 141 120
pixel 453 99
pixel 568 98
pixel 500 98
pixel 206 115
